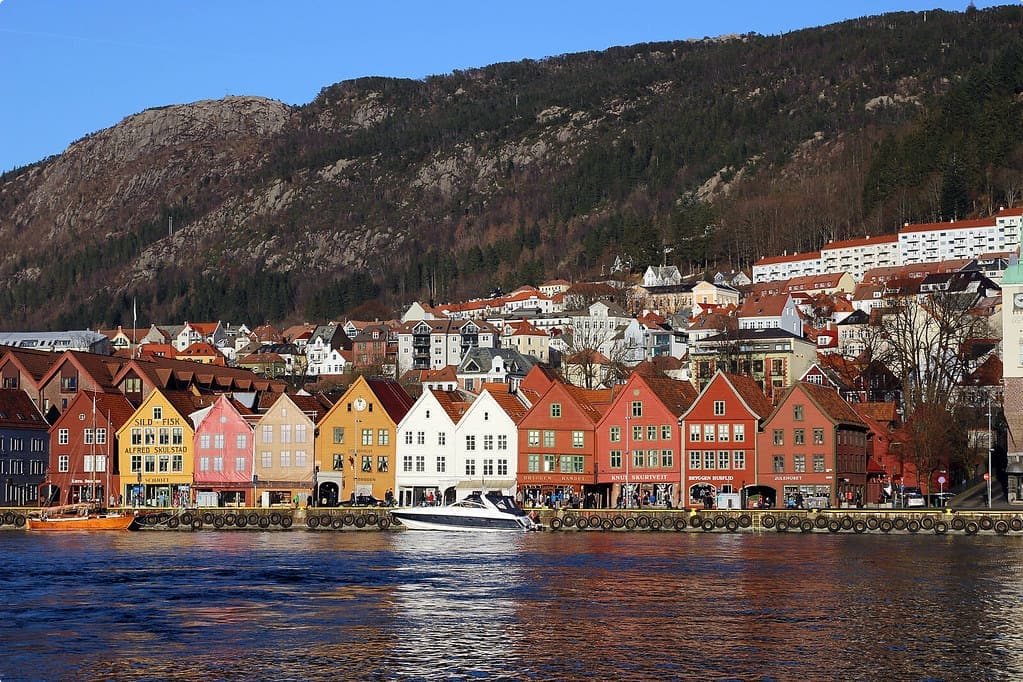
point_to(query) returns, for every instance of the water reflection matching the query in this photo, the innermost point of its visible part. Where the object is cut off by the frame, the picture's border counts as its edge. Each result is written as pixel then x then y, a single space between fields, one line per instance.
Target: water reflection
pixel 250 605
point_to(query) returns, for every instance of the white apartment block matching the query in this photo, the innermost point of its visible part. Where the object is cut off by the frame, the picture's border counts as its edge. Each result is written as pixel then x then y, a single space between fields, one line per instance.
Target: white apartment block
pixel 786 267
pixel 434 344
pixel 856 256
pixel 960 239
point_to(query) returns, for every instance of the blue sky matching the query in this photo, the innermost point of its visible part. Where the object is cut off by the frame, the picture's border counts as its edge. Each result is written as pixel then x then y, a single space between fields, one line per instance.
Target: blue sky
pixel 72 67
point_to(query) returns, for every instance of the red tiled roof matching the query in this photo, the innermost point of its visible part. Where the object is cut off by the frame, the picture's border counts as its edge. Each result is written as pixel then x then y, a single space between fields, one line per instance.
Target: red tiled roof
pixel 956 225
pixel 794 258
pixel 863 241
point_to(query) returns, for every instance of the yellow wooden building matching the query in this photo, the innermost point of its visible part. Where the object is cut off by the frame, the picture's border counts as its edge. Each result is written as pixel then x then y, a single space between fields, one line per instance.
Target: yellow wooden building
pixel 156 450
pixel 355 448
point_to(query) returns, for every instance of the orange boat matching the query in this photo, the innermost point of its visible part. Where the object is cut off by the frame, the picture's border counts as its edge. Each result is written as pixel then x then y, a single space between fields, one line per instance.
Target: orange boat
pixel 78 517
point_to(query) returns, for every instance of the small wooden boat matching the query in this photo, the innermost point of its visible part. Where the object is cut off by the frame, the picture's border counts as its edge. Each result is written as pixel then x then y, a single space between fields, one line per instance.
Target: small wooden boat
pixel 79 517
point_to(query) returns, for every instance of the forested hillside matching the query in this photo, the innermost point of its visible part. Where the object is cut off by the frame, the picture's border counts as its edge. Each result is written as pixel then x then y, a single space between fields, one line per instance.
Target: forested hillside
pixel 710 153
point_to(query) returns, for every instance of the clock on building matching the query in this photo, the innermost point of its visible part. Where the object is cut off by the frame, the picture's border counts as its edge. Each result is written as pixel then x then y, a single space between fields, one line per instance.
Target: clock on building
pixel 1017 302
pixel 360 404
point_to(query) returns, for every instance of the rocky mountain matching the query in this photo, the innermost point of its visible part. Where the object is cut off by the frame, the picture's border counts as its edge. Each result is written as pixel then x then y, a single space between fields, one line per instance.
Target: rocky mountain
pixel 381 191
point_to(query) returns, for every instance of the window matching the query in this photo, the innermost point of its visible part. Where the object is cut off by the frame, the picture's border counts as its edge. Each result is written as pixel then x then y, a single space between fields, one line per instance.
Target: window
pixel 548 439
pixel 637 408
pixel 638 459
pixel 615 433
pixel 164 435
pixel 637 433
pixel 549 462
pixel 694 433
pixel 616 459
pixel 301 460
pixel 665 431
pixel 285 458
pixel 367 437
pixel 406 464
pixel 442 438
pixel 204 441
pixel 382 463
pixel 63 436
pixel 420 437
pixel 470 442
pixel 653 458
pixel 708 433
pixel 667 458
pixel 442 465
pixel 470 467
pixel 408 438
pixel 778 465
pixel 177 437
pixel 719 408
pixel 488 442
pixel 268 434
pixel 218 464
pixel 739 433
pixel 555 410
pixel 723 433
pixel 339 435
pixel 157 412
pixel 241 441
pixel 420 464
pixel 204 463
pixel 502 442
pixel 533 438
pixel 87 436
pixel 533 463
pixel 64 464
pixel 797 413
pixel 578 439
pixel 285 433
pixel 651 433
pixel 300 433
pixel 818 464
pixel 266 459
pixel 218 441
pixel 799 436
pixel 502 467
pixel 779 437
pixel 149 435
pixel 101 436
pixel 367 464
pixel 136 463
pixel 239 464
pixel 818 436
pixel 724 459
pixel 488 467
pixel 738 459
pixel 709 459
pixel 694 459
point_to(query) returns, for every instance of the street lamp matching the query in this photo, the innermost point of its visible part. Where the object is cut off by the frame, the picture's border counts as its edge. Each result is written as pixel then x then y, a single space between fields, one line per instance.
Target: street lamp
pixel 682 464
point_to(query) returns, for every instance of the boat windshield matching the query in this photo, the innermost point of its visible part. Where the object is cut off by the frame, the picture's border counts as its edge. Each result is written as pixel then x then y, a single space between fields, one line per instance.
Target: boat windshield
pixel 505 503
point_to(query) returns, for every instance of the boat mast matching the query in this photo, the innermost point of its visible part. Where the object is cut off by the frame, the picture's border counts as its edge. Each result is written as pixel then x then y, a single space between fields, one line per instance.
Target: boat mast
pixel 106 437
pixel 92 478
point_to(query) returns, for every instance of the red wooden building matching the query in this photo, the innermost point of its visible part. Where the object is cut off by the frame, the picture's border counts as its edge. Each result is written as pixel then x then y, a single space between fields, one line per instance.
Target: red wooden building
pixel 83 449
pixel 557 444
pixel 813 444
pixel 638 442
pixel 720 435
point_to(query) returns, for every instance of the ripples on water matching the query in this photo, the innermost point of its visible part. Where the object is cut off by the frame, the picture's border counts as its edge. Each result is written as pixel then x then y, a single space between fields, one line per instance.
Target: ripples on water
pixel 345 606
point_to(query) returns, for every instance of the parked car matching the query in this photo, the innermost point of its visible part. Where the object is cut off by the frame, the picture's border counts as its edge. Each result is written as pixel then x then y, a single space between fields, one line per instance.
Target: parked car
pixel 913 497
pixel 940 499
pixel 366 501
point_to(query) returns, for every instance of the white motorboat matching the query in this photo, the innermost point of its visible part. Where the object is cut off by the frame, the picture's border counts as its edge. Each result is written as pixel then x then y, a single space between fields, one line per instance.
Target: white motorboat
pixel 490 511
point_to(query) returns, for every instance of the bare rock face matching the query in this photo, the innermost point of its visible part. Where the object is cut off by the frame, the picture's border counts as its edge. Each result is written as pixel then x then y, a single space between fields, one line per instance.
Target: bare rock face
pixel 108 181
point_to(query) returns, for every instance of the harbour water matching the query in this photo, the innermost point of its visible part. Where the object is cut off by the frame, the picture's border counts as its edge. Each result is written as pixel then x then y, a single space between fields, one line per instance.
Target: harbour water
pixel 345 606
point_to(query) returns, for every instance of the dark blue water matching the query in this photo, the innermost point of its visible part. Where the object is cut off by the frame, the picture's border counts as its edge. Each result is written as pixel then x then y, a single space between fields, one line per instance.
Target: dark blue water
pixel 347 606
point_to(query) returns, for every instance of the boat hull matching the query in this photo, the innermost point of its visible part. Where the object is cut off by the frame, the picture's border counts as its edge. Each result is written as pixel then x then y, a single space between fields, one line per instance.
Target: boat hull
pixel 123 522
pixel 414 519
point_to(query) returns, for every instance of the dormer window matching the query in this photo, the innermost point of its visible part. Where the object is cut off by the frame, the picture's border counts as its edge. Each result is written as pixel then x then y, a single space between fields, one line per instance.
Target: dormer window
pixel 157 412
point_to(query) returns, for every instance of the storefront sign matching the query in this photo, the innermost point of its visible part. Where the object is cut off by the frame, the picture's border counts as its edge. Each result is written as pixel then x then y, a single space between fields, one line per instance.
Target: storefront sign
pixel 637 478
pixel 719 477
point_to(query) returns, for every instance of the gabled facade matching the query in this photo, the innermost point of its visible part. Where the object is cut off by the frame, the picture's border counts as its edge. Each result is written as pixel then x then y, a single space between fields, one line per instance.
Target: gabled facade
pixel 720 434
pixel 492 365
pixel 83 449
pixel 814 444
pixel 223 454
pixel 433 344
pixel 356 447
pixel 24 369
pixel 637 443
pixel 156 450
pixel 425 452
pixel 557 444
pixel 774 358
pixel 76 371
pixel 24 448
